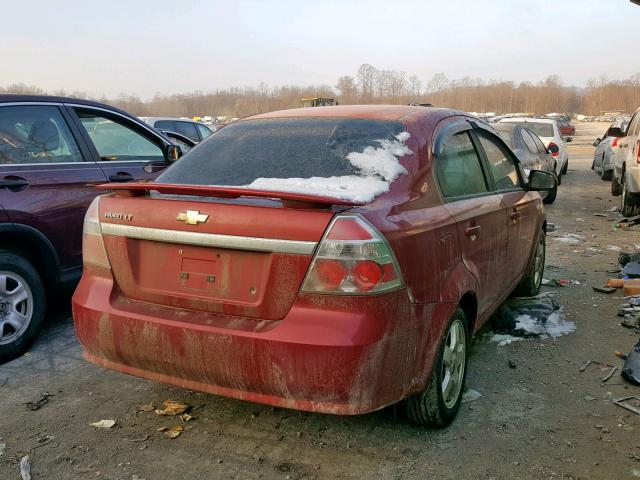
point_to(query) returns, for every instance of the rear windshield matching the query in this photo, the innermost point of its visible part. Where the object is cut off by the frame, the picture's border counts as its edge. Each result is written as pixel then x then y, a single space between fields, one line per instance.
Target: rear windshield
pixel 332 155
pixel 507 136
pixel 540 129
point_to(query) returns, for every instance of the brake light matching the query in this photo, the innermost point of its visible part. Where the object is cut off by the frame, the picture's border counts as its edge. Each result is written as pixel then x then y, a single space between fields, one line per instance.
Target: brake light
pixel 94 254
pixel 615 142
pixel 555 145
pixel 352 258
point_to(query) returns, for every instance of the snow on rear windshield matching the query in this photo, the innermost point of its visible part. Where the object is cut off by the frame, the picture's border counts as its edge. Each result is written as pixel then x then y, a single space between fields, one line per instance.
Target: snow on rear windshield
pixel 350 159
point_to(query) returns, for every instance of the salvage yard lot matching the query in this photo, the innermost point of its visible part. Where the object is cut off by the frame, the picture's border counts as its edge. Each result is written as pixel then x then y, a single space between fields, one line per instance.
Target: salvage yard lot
pixel 538 416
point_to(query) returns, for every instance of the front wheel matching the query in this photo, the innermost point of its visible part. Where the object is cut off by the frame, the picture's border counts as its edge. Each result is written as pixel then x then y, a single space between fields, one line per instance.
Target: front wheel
pixel 551 196
pixel 22 305
pixel 616 188
pixel 529 286
pixel 438 405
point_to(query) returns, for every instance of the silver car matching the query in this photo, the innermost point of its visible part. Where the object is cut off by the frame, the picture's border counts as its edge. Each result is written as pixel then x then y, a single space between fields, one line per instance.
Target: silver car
pixel 529 149
pixel 606 147
pixel 625 182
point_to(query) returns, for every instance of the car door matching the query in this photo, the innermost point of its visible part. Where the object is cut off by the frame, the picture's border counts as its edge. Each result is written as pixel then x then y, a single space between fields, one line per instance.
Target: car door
pixel 124 149
pixel 479 213
pixel 522 208
pixel 47 176
pixel 545 157
pixel 622 155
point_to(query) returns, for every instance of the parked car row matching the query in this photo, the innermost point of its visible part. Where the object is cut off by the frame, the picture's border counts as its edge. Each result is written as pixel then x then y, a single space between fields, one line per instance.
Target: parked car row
pixel 617 158
pixel 306 254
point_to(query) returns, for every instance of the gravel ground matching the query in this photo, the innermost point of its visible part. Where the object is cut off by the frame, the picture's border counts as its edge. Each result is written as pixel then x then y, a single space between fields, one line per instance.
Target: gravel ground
pixel 542 419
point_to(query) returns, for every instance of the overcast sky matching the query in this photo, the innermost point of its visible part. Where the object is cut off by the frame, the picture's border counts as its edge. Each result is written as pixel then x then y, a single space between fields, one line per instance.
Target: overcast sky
pixel 173 46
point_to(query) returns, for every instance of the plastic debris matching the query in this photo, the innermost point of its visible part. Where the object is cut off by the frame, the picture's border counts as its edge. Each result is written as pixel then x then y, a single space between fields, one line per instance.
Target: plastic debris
pixel 470 395
pixel 3 448
pixel 25 468
pixel 38 404
pixel 172 432
pixel 631 270
pixel 625 258
pixel 604 289
pixel 103 424
pixel 172 407
pixel 630 403
pixel 631 368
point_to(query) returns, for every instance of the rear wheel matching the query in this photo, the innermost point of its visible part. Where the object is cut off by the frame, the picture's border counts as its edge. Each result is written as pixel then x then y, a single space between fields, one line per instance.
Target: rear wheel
pixel 565 169
pixel 438 405
pixel 529 286
pixel 22 305
pixel 629 202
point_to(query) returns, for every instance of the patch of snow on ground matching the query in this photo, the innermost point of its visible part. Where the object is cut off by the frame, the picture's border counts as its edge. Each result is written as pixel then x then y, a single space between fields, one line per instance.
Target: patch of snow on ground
pixel 571 239
pixel 555 326
pixel 503 339
pixel 378 167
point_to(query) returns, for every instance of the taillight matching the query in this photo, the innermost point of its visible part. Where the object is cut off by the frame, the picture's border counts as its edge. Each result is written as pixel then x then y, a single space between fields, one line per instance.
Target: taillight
pixel 615 142
pixel 352 258
pixel 93 252
pixel 554 145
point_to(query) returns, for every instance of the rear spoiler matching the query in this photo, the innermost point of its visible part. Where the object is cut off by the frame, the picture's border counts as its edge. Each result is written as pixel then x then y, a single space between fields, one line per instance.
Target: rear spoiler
pixel 290 199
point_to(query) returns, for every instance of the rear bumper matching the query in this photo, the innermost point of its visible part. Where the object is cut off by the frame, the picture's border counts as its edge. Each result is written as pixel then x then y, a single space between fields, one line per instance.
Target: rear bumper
pixel 340 355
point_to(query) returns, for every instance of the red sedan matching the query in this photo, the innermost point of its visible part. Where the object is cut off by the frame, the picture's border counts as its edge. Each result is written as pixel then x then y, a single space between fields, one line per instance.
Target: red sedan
pixel 332 259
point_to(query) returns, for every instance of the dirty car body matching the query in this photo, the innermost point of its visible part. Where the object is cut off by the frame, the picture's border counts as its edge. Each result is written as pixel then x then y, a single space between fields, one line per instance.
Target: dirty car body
pixel 213 279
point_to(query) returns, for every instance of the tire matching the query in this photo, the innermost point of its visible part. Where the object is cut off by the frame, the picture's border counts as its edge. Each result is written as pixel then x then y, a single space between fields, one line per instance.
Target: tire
pixel 551 196
pixel 605 174
pixel 616 188
pixel 559 177
pixel 23 305
pixel 629 202
pixel 529 286
pixel 432 407
pixel 565 169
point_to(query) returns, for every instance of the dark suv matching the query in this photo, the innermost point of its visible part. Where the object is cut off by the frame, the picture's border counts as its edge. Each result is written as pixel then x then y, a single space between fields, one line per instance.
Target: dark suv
pixel 53 152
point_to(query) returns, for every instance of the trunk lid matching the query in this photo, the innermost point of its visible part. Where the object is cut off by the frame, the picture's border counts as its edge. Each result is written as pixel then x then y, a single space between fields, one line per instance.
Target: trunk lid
pixel 240 256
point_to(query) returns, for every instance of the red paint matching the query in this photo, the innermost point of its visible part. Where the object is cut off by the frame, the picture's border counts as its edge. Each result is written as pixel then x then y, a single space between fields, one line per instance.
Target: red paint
pixel 341 354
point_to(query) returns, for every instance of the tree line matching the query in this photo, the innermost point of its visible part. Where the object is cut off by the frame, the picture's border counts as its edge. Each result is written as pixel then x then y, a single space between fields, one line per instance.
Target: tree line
pixel 370 85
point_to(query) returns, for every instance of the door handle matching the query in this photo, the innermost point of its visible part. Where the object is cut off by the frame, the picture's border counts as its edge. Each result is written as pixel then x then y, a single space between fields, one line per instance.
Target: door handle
pixel 121 177
pixel 472 231
pixel 13 183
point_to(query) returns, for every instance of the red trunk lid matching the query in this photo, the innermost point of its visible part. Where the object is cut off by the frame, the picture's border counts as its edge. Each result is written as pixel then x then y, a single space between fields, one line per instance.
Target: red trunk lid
pixel 242 257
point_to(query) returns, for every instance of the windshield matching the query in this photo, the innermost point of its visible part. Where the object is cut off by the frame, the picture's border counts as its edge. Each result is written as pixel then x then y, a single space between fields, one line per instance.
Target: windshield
pixel 346 158
pixel 539 128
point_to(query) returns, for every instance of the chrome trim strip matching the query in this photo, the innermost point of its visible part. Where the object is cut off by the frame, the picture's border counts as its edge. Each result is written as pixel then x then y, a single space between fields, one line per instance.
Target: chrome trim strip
pixel 210 239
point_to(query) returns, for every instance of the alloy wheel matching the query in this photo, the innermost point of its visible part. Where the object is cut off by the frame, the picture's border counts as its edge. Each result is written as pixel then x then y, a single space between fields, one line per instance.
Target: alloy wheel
pixel 16 306
pixel 538 263
pixel 453 363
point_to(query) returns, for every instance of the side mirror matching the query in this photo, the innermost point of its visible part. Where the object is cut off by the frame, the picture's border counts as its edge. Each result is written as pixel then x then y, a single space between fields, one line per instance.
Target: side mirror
pixel 541 181
pixel 553 148
pixel 174 152
pixel 597 142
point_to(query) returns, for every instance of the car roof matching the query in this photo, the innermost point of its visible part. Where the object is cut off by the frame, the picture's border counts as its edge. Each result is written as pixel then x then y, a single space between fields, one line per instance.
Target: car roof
pixel 372 112
pixel 527 119
pixel 18 98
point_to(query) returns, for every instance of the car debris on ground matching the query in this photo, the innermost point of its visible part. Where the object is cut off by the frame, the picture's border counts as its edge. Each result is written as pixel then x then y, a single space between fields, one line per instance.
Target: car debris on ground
pixel 631 368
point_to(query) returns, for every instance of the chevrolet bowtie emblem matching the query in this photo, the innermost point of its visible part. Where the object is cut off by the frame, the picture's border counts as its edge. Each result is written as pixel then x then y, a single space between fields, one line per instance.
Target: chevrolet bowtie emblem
pixel 192 217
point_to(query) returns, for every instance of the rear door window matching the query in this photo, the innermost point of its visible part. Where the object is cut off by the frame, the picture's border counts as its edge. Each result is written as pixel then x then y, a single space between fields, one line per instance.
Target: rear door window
pixel 36 134
pixel 501 163
pixel 203 130
pixel 165 125
pixel 528 141
pixel 458 168
pixel 188 129
pixel 541 148
pixel 115 141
